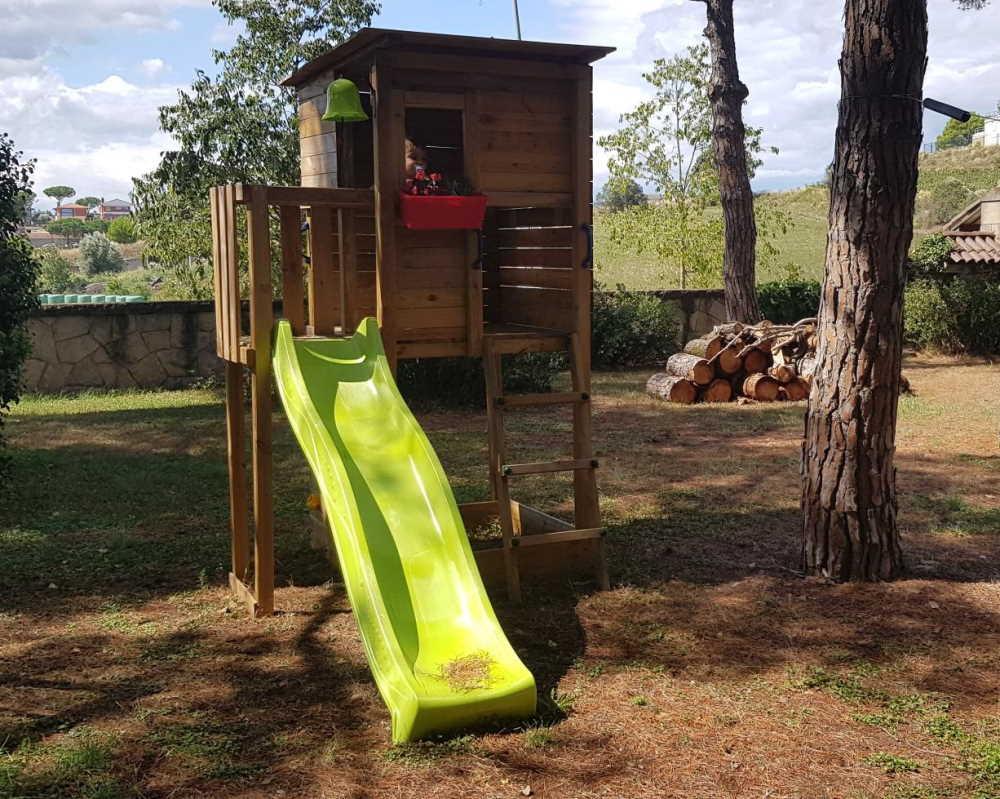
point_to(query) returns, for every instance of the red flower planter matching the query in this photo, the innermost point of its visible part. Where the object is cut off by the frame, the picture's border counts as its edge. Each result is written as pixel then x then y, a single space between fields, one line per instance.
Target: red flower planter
pixel 442 212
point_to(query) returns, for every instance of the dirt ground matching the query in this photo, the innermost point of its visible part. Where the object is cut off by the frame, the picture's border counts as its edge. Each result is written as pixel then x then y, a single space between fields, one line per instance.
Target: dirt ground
pixel 712 669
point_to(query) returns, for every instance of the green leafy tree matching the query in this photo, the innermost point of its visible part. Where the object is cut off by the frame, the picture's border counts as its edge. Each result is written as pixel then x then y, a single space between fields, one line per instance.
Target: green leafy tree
pixel 18 275
pixel 25 202
pixel 122 230
pixel 56 274
pixel 59 193
pixel 71 229
pixel 239 125
pixel 89 201
pixel 665 143
pixel 616 195
pixel 959 134
pixel 98 254
pixel 929 256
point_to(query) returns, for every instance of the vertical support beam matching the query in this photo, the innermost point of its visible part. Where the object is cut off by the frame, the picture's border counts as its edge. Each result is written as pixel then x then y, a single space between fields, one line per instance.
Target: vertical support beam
pixel 213 203
pixel 492 267
pixel 292 288
pixel 501 491
pixel 389 126
pixel 474 277
pixel 239 505
pixel 261 323
pixel 587 512
pixel 322 288
pixel 348 270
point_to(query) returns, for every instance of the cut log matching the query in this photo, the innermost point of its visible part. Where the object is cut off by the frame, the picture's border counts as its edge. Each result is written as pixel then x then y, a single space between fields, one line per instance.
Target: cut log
pixel 698 370
pixel 706 347
pixel 755 360
pixel 807 366
pixel 783 372
pixel 761 387
pixel 728 329
pixel 797 389
pixel 672 387
pixel 718 390
pixel 728 361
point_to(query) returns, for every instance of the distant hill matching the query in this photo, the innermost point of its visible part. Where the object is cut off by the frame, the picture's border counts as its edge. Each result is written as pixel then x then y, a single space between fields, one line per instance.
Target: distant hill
pixel 949 181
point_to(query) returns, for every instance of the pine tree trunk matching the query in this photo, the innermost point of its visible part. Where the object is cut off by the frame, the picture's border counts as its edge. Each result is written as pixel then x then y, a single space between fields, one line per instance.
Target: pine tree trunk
pixel 727 94
pixel 848 474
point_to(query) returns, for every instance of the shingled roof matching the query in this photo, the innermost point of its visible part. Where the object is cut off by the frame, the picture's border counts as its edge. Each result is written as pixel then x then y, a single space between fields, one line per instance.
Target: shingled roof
pixel 979 247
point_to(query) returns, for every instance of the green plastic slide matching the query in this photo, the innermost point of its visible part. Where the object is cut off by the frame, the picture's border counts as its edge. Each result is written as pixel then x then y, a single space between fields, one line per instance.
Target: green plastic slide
pixel 438 654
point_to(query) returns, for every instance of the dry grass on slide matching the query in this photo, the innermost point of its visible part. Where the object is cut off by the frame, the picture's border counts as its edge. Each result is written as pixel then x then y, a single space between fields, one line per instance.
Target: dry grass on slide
pixel 712 670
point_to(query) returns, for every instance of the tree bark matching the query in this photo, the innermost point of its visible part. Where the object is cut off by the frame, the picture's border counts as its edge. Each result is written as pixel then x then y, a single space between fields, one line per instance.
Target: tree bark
pixel 727 94
pixel 848 474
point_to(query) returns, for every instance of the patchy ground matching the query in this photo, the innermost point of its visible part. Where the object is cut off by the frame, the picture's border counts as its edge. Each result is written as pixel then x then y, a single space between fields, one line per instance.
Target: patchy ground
pixel 712 669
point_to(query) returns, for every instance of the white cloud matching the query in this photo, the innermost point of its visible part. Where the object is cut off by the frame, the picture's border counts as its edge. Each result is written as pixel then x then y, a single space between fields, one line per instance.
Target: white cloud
pixel 152 67
pixel 32 29
pixel 94 138
pixel 788 55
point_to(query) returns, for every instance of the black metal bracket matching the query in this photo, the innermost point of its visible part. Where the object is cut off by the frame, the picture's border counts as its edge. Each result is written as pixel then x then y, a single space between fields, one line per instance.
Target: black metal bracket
pixel 588 258
pixel 481 258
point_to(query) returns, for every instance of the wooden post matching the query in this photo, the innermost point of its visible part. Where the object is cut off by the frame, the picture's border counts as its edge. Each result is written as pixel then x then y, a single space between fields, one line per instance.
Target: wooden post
pixel 239 506
pixel 474 277
pixel 389 126
pixel 322 290
pixel 292 289
pixel 348 257
pixel 501 492
pixel 261 323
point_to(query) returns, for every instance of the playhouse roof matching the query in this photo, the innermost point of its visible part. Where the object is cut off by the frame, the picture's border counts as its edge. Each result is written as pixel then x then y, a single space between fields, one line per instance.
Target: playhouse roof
pixel 367 40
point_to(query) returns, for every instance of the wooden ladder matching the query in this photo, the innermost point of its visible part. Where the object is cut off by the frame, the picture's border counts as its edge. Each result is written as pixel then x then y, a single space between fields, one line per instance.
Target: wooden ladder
pixel 586 516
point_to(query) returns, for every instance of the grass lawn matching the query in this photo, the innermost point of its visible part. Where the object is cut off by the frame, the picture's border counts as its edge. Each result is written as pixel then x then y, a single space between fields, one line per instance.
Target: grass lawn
pixel 711 670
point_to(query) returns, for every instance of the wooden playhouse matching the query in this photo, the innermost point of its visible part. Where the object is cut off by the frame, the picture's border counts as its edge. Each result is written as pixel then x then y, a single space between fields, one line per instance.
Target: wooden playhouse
pixel 514 119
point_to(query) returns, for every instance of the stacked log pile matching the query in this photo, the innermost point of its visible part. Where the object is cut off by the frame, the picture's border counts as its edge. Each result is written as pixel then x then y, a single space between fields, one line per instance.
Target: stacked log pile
pixel 735 362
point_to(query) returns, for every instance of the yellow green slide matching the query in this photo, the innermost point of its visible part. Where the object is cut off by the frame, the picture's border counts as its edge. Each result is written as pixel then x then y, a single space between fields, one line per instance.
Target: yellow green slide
pixel 438 654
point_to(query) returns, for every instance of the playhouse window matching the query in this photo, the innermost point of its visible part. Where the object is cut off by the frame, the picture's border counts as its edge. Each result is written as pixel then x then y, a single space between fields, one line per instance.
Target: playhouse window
pixel 439 133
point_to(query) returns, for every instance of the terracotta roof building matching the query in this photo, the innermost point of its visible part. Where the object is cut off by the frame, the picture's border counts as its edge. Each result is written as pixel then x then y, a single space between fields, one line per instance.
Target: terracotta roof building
pixel 975 234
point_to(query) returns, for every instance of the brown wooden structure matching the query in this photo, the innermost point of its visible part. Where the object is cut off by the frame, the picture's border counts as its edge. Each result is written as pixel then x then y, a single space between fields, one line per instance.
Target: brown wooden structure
pixel 512 117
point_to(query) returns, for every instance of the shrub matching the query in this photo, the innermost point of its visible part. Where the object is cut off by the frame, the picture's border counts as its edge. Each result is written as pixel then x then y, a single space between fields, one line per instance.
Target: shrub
pixel 927 319
pixel 18 275
pixel 947 197
pixel 631 328
pixel 460 382
pixel 787 301
pixel 929 255
pixel 136 283
pixel 98 254
pixel 56 273
pixel 953 315
pixel 122 230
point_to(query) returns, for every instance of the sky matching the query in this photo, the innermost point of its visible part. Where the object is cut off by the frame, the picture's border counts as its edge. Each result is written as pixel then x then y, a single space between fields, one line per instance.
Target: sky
pixel 80 83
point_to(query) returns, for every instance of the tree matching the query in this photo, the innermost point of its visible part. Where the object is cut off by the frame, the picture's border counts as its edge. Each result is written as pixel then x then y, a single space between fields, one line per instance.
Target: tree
pixel 616 195
pixel 122 230
pixel 98 254
pixel 727 94
pixel 56 275
pixel 664 143
pixel 848 474
pixel 72 229
pixel 959 134
pixel 241 125
pixel 25 202
pixel 89 201
pixel 18 275
pixel 59 193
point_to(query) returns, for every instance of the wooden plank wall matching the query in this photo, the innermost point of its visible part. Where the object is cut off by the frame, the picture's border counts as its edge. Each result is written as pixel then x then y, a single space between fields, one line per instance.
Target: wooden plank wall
pixel 534 267
pixel 317 139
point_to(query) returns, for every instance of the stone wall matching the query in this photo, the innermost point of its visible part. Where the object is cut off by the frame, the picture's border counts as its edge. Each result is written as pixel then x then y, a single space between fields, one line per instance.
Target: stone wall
pixel 141 345
pixel 172 344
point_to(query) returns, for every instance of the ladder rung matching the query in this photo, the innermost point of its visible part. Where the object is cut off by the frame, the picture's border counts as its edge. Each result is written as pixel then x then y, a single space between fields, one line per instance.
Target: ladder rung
pixel 512 469
pixel 556 537
pixel 553 398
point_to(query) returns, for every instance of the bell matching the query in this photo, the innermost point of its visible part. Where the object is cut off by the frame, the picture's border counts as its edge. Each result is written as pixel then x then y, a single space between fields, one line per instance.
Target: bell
pixel 343 103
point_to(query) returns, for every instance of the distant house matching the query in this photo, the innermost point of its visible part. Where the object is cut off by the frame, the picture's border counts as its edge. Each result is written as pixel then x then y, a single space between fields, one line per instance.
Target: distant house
pixel 70 211
pixel 991 133
pixel 112 209
pixel 975 235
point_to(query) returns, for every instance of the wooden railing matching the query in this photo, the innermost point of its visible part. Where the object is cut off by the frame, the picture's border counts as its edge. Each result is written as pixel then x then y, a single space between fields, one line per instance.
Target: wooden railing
pixel 325 280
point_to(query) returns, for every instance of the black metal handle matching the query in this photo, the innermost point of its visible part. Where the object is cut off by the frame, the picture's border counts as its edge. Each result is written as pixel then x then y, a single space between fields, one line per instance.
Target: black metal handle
pixel 588 258
pixel 481 260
